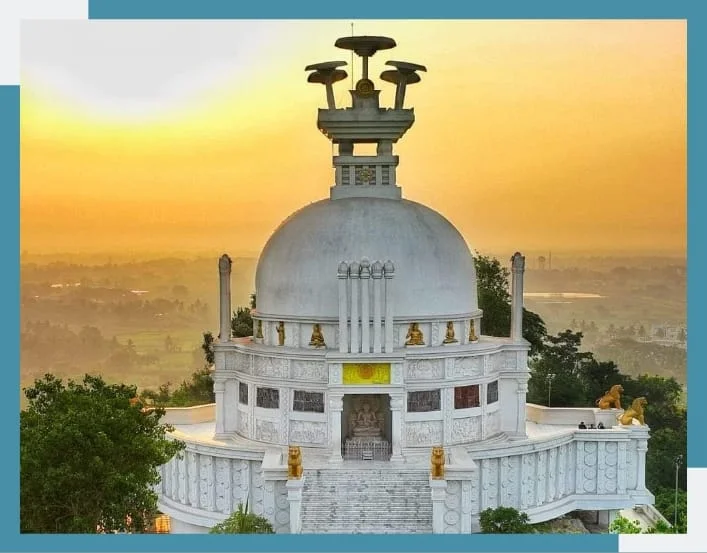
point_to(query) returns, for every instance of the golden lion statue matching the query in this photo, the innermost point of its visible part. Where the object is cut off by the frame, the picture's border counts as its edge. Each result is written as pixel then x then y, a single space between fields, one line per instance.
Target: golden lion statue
pixel 294 463
pixel 437 470
pixel 635 412
pixel 611 398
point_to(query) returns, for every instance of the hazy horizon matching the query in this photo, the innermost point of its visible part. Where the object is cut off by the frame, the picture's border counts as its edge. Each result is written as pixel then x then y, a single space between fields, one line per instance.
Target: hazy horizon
pixel 194 136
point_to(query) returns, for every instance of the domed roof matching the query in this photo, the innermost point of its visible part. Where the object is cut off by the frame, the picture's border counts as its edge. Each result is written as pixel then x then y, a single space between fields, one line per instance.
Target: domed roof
pixel 434 269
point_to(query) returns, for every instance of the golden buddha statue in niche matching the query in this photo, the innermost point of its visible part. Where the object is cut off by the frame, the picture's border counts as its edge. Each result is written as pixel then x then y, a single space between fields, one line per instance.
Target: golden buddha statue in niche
pixel 259 331
pixel 449 338
pixel 472 332
pixel 317 339
pixel 414 336
pixel 280 333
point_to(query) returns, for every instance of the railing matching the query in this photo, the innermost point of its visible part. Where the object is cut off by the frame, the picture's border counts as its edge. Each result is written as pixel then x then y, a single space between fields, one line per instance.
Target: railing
pixel 366 450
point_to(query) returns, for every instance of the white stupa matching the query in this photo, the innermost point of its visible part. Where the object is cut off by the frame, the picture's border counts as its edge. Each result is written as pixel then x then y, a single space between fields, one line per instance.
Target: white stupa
pixel 368 352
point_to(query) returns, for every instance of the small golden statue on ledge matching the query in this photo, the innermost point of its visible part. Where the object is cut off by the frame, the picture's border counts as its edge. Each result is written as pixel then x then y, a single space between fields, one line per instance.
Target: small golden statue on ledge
pixel 294 463
pixel 259 331
pixel 449 338
pixel 611 398
pixel 472 332
pixel 317 339
pixel 414 336
pixel 634 412
pixel 437 468
pixel 280 333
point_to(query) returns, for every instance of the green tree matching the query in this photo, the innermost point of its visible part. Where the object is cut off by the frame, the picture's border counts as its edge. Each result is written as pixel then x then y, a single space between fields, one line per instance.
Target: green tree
pixel 495 301
pixel 207 347
pixel 89 456
pixel 242 521
pixel 504 520
pixel 665 503
pixel 622 525
pixel 242 323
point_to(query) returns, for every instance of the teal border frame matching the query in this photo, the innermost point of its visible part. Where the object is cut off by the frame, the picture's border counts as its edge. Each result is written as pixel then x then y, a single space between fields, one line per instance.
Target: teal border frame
pixel 391 9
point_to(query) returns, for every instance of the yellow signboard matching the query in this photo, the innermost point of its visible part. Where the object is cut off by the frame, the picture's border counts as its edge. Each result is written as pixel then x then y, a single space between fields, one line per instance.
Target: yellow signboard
pixel 366 373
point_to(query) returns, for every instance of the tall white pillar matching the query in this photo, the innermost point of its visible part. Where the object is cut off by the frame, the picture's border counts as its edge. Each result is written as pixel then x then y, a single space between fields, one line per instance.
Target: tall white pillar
pixel 641 449
pixel 396 411
pixel 389 272
pixel 521 394
pixel 377 274
pixel 343 275
pixel 517 269
pixel 224 269
pixel 438 489
pixel 336 406
pixel 219 389
pixel 365 309
pixel 230 404
pixel 354 274
pixel 294 498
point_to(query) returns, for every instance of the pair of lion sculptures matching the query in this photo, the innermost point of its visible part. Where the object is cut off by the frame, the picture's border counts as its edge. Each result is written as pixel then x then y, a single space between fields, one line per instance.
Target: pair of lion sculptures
pixel 612 398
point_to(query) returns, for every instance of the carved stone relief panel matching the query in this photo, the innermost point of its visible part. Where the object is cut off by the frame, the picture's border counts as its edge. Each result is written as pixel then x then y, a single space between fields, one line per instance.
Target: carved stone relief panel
pixel 223 485
pixel 601 468
pixel 256 486
pixel 281 523
pixel 266 431
pixel 572 486
pixel 241 482
pixel 295 332
pixel 541 459
pixel 490 484
pixel 493 423
pixel 275 367
pixel 552 474
pixel 423 433
pixel 528 478
pixel 562 471
pixel 510 470
pixel 193 470
pixel 182 470
pixel 174 469
pixel 467 367
pixel 470 501
pixel 231 360
pixel 335 374
pixel 244 424
pixel 425 369
pixel 589 474
pixel 452 504
pixel 308 433
pixel 435 339
pixel 242 362
pixel 611 468
pixel 631 465
pixel 206 482
pixel 313 371
pixel 621 468
pixel 509 359
pixel 466 430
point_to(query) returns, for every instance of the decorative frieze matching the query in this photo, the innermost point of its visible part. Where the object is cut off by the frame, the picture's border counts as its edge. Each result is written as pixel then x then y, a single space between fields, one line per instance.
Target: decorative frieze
pixel 313 371
pixel 425 369
pixel 423 433
pixel 466 429
pixel 308 433
pixel 272 367
pixel 467 367
pixel 266 431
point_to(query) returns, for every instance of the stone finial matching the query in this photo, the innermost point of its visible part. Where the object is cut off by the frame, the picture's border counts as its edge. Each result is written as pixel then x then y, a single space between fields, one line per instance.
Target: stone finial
pixel 403 75
pixel 518 262
pixel 224 264
pixel 612 398
pixel 388 269
pixel 365 268
pixel 343 270
pixel 355 269
pixel 437 463
pixel 294 463
pixel 377 269
pixel 327 73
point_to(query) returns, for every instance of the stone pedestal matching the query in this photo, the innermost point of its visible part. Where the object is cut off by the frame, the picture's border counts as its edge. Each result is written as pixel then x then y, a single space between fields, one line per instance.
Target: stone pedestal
pixel 438 489
pixel 294 498
pixel 608 417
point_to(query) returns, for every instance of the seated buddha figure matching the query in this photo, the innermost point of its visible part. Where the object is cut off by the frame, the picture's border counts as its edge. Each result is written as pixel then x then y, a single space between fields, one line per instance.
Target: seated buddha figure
pixel 365 423
pixel 414 336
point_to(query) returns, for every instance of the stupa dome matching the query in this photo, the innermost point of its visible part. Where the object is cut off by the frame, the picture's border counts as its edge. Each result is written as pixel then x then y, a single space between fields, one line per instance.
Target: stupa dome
pixel 434 269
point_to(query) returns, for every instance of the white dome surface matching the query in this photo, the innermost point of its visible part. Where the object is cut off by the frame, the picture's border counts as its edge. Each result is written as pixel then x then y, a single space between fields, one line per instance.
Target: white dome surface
pixel 434 269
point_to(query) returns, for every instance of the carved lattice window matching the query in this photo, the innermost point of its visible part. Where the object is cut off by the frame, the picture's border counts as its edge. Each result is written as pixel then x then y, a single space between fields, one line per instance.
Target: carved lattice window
pixel 466 397
pixel 269 398
pixel 309 402
pixel 243 393
pixel 492 392
pixel 420 402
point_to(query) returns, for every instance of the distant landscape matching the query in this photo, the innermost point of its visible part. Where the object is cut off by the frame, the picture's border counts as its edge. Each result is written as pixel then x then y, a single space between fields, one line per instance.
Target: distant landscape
pixel 141 320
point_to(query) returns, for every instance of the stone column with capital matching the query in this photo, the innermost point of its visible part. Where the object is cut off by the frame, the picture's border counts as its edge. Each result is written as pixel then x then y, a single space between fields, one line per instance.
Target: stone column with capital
pixel 365 305
pixel 230 405
pixel 521 394
pixel 438 489
pixel 388 271
pixel 354 273
pixel 377 274
pixel 224 269
pixel 343 275
pixel 396 411
pixel 517 270
pixel 219 389
pixel 336 406
pixel 641 450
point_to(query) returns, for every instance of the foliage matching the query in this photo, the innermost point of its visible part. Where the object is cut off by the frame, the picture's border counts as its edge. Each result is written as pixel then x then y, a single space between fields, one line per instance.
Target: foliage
pixel 662 528
pixel 88 457
pixel 504 520
pixel 243 522
pixel 197 391
pixel 208 348
pixel 622 525
pixel 665 503
pixel 495 301
pixel 242 323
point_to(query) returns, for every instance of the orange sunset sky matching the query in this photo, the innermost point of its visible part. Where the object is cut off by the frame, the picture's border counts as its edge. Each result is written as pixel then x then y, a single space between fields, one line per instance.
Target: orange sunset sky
pixel 201 136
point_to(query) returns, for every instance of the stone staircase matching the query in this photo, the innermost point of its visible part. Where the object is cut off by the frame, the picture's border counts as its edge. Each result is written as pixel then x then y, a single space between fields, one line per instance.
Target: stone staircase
pixel 367 498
